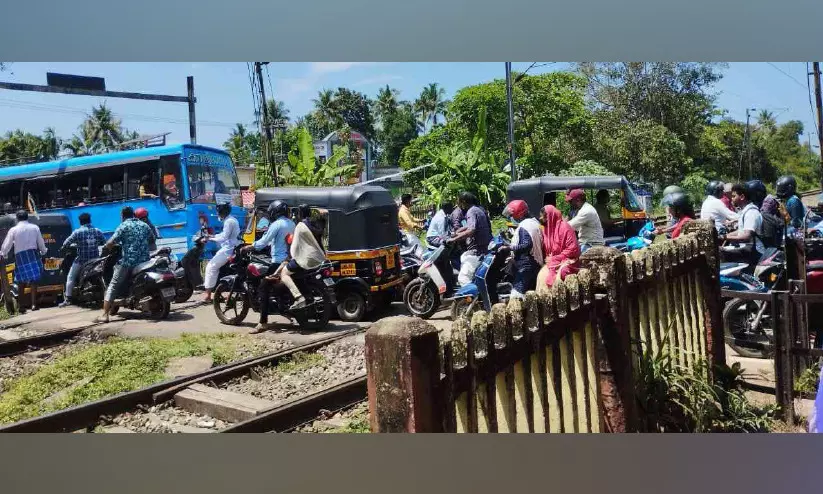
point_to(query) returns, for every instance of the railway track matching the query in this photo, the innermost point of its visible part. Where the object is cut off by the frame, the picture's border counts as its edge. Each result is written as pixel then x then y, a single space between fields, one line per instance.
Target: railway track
pixel 200 392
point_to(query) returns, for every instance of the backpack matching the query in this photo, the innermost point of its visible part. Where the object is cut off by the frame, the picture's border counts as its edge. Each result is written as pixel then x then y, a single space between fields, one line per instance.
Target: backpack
pixel 772 234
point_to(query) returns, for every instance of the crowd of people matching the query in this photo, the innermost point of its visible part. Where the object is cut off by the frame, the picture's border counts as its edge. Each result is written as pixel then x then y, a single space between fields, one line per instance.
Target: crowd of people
pixel 545 247
pixel 548 248
pixel 760 218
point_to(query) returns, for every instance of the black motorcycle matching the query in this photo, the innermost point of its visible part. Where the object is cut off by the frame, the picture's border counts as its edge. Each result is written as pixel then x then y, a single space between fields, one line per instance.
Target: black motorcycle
pixel 150 287
pixel 238 292
pixel 91 281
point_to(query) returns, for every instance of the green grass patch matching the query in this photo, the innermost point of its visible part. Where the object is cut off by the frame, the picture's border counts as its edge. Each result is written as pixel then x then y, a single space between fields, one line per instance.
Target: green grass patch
pixel 809 380
pixel 116 366
pixel 298 362
pixel 359 425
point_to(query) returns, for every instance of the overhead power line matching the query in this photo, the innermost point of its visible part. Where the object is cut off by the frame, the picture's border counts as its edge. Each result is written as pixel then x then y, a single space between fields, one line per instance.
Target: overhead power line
pixel 25 105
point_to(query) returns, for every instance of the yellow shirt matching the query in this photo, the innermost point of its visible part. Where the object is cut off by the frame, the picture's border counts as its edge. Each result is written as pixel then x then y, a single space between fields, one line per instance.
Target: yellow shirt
pixel 406 220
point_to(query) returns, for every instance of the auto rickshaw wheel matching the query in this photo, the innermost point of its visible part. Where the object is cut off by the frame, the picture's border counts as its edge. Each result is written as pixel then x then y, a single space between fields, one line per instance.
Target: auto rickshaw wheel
pixel 351 306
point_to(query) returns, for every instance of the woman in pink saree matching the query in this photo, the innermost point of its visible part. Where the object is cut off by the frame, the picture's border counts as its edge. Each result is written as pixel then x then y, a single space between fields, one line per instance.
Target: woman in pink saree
pixel 562 253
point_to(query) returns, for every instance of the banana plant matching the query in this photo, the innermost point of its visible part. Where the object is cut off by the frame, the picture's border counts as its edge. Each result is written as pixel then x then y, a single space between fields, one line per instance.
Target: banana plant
pixel 466 165
pixel 306 170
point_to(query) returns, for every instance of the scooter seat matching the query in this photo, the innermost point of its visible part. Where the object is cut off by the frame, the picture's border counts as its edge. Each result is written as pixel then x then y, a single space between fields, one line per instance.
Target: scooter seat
pixel 148 265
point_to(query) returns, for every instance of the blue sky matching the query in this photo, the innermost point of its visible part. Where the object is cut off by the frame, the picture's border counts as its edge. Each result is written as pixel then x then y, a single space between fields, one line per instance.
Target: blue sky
pixel 224 94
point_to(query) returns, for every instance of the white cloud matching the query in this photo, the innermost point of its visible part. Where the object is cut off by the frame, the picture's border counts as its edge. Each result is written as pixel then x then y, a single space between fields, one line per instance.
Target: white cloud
pixel 378 80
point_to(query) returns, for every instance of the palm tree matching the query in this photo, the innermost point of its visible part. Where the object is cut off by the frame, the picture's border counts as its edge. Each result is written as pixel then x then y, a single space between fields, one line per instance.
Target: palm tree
pixel 51 144
pixel 386 101
pixel 80 145
pixel 104 128
pixel 277 111
pixel 238 145
pixel 431 103
pixel 767 121
pixel 325 108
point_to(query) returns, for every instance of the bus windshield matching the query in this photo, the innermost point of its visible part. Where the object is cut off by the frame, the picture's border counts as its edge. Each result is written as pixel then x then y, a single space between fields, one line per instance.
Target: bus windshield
pixel 210 184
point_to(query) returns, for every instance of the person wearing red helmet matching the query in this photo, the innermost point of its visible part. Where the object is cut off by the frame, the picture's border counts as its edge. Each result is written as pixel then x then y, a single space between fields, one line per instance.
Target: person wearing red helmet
pixel 142 214
pixel 527 246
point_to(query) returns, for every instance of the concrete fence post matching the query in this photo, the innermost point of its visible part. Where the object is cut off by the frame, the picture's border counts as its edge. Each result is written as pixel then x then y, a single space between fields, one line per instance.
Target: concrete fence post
pixel 614 345
pixel 710 279
pixel 403 366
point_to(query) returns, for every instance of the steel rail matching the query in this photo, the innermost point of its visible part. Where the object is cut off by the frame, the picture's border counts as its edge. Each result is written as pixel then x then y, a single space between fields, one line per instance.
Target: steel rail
pixel 82 416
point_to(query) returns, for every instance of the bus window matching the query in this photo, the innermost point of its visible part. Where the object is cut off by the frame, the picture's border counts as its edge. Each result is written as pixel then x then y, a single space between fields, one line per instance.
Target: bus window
pixel 142 180
pixel 211 184
pixel 170 181
pixel 107 185
pixel 73 189
pixel 43 191
pixel 10 197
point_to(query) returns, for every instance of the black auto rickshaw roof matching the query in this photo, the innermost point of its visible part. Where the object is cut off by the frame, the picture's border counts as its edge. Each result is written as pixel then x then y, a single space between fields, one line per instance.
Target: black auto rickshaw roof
pixel 361 217
pixel 345 199
pixel 532 190
pixel 44 220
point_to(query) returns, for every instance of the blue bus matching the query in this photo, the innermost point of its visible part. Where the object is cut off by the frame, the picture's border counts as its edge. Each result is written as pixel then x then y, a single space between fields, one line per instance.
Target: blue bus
pixel 180 186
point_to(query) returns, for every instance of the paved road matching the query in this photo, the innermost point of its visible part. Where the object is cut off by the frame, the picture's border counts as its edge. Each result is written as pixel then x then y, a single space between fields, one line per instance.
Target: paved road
pixel 189 317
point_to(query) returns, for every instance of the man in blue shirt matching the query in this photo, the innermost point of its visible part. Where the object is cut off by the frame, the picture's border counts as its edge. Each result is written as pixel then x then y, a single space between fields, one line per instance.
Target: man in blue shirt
pixel 440 226
pixel 88 240
pixel 277 237
pixel 133 236
pixel 786 191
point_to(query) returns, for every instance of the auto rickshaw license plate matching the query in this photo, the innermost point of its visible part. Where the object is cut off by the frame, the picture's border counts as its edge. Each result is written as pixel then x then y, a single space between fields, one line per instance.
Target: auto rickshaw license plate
pixel 348 269
pixel 390 260
pixel 52 264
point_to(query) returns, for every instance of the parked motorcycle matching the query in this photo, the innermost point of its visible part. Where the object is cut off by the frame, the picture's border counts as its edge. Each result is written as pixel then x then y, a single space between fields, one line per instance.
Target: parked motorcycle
pixel 239 291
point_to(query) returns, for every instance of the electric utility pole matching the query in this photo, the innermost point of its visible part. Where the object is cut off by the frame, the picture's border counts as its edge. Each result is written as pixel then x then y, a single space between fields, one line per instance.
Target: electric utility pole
pixel 819 101
pixel 265 127
pixel 510 118
pixel 746 147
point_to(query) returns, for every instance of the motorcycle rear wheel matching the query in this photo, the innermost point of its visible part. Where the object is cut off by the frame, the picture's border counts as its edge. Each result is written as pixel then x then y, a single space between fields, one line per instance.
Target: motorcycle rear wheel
pixel 225 304
pixel 315 317
pixel 158 308
pixel 183 293
pixel 737 316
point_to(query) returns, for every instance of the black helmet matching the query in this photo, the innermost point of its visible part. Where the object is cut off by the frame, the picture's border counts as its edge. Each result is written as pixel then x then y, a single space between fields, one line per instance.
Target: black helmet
pixel 278 208
pixel 678 200
pixel 756 191
pixel 786 186
pixel 223 209
pixel 715 189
